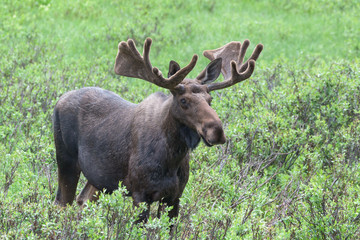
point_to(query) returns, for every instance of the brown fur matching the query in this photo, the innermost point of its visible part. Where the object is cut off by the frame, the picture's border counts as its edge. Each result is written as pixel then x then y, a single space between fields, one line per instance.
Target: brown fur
pixel 145 146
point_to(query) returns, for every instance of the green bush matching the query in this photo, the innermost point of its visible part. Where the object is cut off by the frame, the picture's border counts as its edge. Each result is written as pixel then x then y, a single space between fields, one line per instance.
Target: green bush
pixel 290 166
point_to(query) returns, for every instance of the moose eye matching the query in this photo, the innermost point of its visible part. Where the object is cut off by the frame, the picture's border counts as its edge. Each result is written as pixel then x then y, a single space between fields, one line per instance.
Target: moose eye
pixel 183 101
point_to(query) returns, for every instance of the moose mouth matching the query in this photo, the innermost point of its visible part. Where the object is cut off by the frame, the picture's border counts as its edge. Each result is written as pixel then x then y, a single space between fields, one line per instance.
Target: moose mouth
pixel 205 141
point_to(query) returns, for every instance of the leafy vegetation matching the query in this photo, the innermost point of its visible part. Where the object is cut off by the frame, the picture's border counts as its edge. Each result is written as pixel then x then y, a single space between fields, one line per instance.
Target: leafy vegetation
pixel 290 168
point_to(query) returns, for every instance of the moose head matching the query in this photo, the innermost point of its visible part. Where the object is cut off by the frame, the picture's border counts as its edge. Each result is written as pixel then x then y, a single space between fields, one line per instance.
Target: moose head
pixel 144 146
pixel 191 97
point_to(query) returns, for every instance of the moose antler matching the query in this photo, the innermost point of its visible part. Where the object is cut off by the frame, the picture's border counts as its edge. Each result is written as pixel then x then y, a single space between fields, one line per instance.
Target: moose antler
pixel 233 68
pixel 130 63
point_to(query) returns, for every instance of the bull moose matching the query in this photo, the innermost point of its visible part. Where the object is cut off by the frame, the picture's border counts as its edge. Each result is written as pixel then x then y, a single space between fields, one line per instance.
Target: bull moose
pixel 145 146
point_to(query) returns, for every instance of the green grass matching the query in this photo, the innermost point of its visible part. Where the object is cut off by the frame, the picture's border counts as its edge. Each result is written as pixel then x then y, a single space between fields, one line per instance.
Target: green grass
pixel 290 168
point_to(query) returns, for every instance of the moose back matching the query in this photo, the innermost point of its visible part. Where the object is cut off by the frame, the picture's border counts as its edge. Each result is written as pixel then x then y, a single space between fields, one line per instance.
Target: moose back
pixel 145 146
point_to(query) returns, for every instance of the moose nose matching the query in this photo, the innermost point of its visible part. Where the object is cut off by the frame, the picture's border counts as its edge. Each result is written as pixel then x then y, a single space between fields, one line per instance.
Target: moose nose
pixel 214 133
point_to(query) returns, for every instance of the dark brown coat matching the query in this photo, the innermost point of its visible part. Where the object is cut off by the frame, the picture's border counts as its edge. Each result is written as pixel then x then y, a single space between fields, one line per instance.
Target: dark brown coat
pixel 145 146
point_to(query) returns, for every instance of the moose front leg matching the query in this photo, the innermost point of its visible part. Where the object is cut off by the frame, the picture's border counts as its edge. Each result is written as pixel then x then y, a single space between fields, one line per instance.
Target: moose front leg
pixel 138 198
pixel 144 215
pixel 174 212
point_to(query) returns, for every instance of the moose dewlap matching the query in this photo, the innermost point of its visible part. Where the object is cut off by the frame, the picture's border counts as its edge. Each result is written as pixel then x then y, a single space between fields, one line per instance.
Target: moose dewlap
pixel 145 146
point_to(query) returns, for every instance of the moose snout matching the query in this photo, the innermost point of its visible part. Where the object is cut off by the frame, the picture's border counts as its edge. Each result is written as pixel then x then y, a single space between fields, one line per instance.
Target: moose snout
pixel 213 133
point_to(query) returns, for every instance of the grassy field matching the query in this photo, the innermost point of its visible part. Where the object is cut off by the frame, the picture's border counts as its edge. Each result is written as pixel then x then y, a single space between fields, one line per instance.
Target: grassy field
pixel 291 166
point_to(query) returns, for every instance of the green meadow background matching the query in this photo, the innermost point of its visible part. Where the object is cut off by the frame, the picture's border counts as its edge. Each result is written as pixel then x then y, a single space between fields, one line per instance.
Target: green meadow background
pixel 290 168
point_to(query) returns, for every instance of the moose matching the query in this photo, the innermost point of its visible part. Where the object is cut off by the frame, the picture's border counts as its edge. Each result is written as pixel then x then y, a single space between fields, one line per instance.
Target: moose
pixel 143 146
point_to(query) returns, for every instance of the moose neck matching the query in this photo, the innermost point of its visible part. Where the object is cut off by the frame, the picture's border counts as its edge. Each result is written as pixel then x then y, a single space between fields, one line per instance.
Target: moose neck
pixel 178 133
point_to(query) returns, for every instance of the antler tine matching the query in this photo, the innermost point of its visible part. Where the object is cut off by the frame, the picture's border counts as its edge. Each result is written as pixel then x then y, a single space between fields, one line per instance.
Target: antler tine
pixel 254 56
pixel 130 63
pixel 243 49
pixel 146 52
pixel 233 68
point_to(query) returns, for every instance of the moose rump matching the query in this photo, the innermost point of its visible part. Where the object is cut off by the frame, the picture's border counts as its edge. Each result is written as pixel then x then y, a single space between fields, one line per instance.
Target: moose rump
pixel 86 133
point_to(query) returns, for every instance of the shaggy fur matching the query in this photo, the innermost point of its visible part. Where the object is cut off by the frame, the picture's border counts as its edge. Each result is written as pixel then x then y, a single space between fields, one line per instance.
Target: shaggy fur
pixel 145 146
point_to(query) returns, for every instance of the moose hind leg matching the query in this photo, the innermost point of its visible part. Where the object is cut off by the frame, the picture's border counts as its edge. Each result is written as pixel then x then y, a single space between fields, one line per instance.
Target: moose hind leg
pixel 89 192
pixel 68 177
pixel 161 208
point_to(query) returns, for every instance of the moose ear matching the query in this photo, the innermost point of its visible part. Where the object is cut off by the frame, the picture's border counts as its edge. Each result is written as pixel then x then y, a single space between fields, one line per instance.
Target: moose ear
pixel 211 72
pixel 173 68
